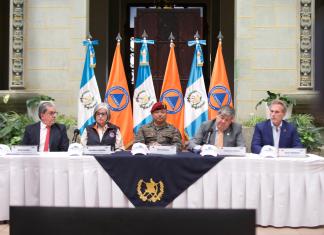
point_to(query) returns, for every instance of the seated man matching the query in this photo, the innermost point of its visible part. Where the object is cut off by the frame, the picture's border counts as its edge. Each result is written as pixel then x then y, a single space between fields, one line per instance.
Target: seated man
pixel 222 131
pixel 159 132
pixel 48 135
pixel 275 131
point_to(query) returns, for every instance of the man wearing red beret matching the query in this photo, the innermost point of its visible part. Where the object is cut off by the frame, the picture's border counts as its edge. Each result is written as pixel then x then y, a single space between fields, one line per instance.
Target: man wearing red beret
pixel 159 132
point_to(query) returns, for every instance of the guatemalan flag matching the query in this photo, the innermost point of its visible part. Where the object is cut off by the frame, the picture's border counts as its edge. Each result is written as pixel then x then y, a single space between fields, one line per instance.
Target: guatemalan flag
pixel 196 103
pixel 89 95
pixel 144 94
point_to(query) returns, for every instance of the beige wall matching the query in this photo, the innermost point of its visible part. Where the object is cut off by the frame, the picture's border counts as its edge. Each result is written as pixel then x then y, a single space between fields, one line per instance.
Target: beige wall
pixel 54 53
pixel 266 51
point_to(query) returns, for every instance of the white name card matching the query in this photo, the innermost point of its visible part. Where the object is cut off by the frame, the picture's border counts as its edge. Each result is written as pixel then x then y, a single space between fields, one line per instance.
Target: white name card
pixel 292 152
pixel 24 149
pixel 163 150
pixel 139 148
pixel 209 149
pixel 232 151
pixel 97 149
pixel 75 149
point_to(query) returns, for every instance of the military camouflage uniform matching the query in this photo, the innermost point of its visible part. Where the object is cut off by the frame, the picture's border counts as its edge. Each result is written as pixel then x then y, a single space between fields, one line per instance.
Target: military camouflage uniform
pixel 164 135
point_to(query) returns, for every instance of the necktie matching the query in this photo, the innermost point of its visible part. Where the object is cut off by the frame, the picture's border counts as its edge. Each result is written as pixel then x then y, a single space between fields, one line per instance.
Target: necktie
pixel 47 139
pixel 220 139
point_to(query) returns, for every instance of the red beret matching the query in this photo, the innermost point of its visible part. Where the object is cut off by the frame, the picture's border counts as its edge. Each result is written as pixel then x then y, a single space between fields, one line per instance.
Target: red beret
pixel 158 106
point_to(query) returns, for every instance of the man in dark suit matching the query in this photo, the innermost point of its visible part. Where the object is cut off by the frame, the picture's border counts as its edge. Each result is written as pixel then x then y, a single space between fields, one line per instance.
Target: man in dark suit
pixel 275 131
pixel 222 131
pixel 46 134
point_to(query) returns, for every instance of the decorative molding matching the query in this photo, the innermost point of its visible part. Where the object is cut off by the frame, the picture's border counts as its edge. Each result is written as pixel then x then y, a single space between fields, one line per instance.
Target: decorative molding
pixel 16 67
pixel 306 33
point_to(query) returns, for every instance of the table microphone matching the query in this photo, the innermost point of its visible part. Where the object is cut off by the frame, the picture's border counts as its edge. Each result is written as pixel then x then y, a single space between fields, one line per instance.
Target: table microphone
pixel 210 131
pixel 75 135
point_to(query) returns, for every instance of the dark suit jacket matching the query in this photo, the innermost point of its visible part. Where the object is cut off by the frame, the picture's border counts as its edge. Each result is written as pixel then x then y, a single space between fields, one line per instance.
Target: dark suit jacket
pixel 233 136
pixel 58 138
pixel 263 136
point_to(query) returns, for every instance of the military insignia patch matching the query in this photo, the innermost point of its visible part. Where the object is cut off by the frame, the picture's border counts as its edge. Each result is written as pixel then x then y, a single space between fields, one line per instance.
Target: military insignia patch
pixel 150 191
pixel 219 96
pixel 174 100
pixel 117 98
pixel 88 100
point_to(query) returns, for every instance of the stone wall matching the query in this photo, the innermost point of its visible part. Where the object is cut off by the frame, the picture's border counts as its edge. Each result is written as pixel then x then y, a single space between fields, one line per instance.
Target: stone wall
pixel 266 51
pixel 54 54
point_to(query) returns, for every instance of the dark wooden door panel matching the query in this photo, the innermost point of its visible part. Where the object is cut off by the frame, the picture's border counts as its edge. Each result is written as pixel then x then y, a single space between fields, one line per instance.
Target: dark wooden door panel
pixel 159 23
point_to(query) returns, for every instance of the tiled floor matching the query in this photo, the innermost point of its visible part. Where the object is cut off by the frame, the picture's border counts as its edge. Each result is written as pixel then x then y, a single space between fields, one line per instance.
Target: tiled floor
pixel 4 230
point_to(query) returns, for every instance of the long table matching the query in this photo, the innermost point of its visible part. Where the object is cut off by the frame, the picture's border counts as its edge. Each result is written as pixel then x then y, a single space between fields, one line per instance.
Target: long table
pixel 284 191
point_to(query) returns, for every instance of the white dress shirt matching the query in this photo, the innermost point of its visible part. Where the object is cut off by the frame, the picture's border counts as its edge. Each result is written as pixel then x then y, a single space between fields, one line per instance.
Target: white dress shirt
pixel 42 137
pixel 276 134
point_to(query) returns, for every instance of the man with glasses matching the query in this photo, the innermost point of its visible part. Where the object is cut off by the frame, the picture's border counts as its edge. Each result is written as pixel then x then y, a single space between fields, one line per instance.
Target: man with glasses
pixel 222 132
pixel 46 134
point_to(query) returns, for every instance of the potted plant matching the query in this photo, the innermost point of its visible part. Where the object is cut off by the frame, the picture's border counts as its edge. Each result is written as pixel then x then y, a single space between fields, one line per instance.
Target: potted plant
pixel 309 134
pixel 277 96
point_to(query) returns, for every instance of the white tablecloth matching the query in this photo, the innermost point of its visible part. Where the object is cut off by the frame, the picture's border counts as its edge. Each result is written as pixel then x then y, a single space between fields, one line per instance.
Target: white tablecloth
pixel 285 192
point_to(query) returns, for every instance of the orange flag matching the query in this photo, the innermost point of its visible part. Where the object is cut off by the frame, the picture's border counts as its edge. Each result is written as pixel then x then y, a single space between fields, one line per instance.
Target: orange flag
pixel 171 93
pixel 219 91
pixel 117 97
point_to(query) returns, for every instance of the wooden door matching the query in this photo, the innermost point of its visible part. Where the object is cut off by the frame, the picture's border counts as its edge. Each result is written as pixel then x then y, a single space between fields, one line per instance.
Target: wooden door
pixel 159 23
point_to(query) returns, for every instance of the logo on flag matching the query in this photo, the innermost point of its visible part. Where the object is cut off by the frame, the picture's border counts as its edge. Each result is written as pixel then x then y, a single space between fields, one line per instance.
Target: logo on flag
pixel 89 95
pixel 196 106
pixel 143 98
pixel 117 98
pixel 219 96
pixel 174 99
pixel 219 91
pixel 144 94
pixel 195 99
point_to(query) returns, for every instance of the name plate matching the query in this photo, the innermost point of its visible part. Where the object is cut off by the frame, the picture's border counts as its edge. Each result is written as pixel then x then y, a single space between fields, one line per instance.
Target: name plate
pixel 232 151
pixel 163 150
pixel 97 149
pixel 292 152
pixel 24 149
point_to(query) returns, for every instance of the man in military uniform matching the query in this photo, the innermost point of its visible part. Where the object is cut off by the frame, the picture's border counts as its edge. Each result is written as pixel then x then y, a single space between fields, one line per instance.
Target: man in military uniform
pixel 159 132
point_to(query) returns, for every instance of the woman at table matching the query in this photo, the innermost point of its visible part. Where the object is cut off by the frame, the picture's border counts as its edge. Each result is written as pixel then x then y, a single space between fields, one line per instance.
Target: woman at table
pixel 102 132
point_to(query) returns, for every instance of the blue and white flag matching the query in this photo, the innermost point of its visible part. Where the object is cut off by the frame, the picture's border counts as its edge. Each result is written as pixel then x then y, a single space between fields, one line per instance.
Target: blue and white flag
pixel 196 102
pixel 144 94
pixel 89 95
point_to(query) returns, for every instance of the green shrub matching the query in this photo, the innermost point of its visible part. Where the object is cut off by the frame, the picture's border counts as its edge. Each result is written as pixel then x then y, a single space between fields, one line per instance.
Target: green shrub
pixel 253 121
pixel 309 134
pixel 12 127
pixel 276 96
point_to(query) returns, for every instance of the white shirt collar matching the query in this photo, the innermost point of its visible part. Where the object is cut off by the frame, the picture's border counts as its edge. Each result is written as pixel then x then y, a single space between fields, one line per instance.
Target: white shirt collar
pixel 272 125
pixel 42 125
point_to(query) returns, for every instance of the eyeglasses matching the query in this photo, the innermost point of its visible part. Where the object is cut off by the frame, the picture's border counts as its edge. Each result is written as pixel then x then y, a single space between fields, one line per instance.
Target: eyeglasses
pixel 101 114
pixel 52 113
